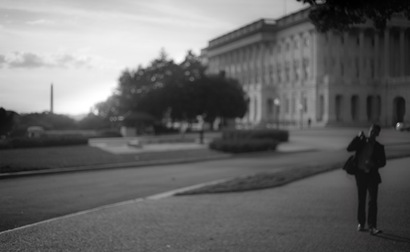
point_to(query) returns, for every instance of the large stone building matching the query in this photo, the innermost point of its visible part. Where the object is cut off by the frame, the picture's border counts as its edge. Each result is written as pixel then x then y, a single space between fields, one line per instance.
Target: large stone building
pixel 294 75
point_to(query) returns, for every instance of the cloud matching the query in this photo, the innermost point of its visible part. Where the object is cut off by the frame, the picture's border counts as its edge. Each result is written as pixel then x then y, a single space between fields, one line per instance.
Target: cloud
pixel 2 60
pixel 26 60
pixel 41 22
pixel 31 60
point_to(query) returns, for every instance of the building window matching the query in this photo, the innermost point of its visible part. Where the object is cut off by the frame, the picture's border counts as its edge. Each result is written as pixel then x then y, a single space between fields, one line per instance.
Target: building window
pixel 369 108
pixel 306 68
pixel 378 106
pixel 321 111
pixel 287 74
pixel 354 106
pixel 325 65
pixel 372 70
pixel 304 103
pixel 270 106
pixel 255 109
pixel 399 109
pixel 294 104
pixel 306 41
pixel 339 107
pixel 296 70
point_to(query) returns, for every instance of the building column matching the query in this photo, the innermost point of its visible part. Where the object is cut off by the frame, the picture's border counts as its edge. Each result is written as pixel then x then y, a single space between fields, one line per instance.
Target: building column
pixel 361 56
pixel 376 55
pixel 313 55
pixel 254 64
pixel 402 54
pixel 386 60
pixel 301 66
pixel 246 64
pixel 262 55
pixel 251 106
pixel 343 56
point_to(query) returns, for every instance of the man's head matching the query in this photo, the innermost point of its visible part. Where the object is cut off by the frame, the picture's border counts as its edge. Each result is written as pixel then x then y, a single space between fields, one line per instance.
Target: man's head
pixel 374 131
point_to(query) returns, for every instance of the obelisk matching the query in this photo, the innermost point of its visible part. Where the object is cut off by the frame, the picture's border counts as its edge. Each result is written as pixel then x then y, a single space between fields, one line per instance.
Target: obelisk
pixel 51 99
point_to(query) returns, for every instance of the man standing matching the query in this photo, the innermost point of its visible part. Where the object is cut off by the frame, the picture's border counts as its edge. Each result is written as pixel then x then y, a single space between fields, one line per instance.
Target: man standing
pixel 370 156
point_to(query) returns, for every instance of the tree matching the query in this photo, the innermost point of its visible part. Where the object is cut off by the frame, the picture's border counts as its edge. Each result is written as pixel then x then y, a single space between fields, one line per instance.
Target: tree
pixel 179 91
pixel 93 121
pixel 184 101
pixel 143 90
pixel 343 14
pixel 221 97
pixel 109 108
pixel 47 121
pixel 6 121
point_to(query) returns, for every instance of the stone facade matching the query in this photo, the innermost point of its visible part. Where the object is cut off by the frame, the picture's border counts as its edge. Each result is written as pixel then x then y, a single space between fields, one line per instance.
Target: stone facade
pixel 294 75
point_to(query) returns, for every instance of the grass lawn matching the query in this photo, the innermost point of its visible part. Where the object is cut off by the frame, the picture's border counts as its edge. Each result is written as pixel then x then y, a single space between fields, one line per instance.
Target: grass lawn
pixel 284 176
pixel 263 180
pixel 15 160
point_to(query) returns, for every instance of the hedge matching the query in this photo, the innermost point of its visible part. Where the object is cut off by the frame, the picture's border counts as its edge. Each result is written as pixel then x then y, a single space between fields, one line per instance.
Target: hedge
pixel 240 141
pixel 243 145
pixel 278 135
pixel 25 142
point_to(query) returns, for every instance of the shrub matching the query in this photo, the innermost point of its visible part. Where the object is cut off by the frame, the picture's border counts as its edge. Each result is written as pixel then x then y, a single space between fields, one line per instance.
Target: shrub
pixel 160 129
pixel 278 135
pixel 243 145
pixel 108 133
pixel 25 142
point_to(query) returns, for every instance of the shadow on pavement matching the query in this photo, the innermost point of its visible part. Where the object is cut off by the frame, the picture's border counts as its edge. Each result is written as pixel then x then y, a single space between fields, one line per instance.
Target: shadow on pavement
pixel 393 237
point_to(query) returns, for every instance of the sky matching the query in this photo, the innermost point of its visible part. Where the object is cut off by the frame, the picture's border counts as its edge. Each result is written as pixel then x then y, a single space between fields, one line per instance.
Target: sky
pixel 82 46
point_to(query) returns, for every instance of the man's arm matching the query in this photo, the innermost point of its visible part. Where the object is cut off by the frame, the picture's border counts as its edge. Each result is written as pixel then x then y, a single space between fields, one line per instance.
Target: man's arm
pixel 354 144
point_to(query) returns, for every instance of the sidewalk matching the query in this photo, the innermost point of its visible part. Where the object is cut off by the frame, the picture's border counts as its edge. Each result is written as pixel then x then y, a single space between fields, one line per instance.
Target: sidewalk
pixel 315 214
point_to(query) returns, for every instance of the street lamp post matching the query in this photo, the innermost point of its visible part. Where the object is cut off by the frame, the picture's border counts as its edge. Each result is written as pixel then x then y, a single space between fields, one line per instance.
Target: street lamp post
pixel 300 107
pixel 276 102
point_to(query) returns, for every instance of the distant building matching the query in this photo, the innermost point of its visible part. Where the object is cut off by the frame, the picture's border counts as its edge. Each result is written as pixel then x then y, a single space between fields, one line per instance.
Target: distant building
pixel 35 131
pixel 294 75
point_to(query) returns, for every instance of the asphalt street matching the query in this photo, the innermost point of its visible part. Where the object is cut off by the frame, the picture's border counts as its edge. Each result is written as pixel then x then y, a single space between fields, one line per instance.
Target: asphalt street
pixel 31 199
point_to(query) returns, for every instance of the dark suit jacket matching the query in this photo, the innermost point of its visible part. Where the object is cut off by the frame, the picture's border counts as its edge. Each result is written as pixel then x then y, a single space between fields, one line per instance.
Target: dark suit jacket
pixel 378 157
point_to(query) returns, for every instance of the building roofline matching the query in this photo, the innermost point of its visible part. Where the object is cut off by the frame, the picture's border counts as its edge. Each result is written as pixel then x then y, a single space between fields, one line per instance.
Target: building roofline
pixel 261 25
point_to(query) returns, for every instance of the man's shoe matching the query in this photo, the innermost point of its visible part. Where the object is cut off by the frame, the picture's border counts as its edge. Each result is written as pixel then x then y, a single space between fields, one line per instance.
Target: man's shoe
pixel 374 231
pixel 360 228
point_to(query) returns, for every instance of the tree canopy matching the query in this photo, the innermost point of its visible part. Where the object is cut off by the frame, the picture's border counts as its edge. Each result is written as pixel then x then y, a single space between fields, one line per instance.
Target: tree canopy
pixel 178 92
pixel 343 14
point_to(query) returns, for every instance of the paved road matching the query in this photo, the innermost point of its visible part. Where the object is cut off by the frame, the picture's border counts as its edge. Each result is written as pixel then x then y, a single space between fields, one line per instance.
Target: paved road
pixel 315 214
pixel 30 199
pixel 27 200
